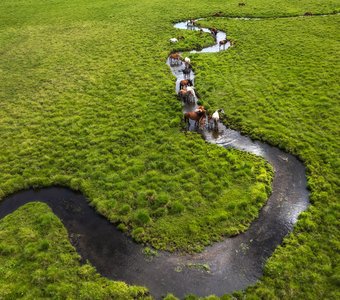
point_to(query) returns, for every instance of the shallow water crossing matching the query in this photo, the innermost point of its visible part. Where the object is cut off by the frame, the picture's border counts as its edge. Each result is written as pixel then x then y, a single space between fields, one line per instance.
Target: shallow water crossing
pixel 232 264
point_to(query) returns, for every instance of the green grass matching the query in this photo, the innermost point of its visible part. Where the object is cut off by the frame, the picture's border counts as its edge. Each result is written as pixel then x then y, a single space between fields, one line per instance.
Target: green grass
pixel 281 84
pixel 38 262
pixel 86 101
pixel 90 104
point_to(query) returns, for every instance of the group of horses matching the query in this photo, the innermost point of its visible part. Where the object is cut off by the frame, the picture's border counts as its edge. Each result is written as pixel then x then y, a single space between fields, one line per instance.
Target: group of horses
pixel 203 118
pixel 222 43
pixel 175 59
pixel 191 24
pixel 186 91
pixel 187 95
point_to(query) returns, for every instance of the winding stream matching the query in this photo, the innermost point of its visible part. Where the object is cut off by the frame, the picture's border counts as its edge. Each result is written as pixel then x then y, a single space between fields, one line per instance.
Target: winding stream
pixel 234 263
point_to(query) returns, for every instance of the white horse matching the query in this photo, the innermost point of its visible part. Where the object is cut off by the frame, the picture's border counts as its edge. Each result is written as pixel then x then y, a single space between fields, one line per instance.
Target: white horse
pixel 191 89
pixel 173 40
pixel 187 68
pixel 187 62
pixel 216 117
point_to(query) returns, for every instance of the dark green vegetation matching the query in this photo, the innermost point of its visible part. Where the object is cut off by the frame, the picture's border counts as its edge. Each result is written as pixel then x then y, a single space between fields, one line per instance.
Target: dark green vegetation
pixel 88 102
pixel 37 261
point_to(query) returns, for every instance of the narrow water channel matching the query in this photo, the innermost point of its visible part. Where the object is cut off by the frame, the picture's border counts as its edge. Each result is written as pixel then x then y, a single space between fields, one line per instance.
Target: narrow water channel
pixel 234 263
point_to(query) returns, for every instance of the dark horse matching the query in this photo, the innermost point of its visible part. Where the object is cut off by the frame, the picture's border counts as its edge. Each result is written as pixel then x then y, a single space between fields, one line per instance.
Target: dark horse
pixel 186 71
pixel 214 32
pixel 222 43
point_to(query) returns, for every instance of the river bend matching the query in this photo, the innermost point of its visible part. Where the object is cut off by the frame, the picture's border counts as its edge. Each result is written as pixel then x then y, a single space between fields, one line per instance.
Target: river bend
pixel 234 263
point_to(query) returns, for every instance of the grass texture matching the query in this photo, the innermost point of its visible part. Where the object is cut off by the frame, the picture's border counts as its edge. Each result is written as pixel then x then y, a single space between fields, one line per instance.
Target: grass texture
pixel 38 262
pixel 88 102
pixel 287 76
pixel 91 105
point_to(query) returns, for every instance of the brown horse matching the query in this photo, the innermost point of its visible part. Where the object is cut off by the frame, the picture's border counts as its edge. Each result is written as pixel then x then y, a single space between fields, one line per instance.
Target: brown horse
pixel 184 83
pixel 214 32
pixel 175 58
pixel 182 94
pixel 187 96
pixel 195 116
pixel 200 108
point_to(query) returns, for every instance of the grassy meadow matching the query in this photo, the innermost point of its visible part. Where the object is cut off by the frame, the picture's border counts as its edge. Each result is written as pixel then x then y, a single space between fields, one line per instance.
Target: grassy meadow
pixel 86 101
pixel 287 77
pixel 37 262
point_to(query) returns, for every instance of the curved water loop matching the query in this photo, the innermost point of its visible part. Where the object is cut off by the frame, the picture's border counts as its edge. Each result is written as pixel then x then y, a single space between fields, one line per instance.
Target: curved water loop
pixel 232 264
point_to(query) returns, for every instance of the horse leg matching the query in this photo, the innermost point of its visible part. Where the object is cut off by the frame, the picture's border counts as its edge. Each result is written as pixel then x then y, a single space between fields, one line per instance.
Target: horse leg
pixel 183 97
pixel 186 98
pixel 209 123
pixel 202 121
pixel 185 119
pixel 191 98
pixel 188 122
